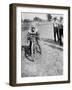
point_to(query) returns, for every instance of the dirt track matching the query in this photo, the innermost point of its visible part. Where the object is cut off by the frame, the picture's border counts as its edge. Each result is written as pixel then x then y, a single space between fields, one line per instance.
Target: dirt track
pixel 48 64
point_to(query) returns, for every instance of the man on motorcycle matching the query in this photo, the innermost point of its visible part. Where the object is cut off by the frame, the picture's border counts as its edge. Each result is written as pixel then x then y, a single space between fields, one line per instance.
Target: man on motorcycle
pixel 33 37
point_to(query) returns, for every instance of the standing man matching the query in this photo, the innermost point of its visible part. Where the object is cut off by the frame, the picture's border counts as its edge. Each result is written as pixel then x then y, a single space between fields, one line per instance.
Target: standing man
pixel 61 30
pixel 55 26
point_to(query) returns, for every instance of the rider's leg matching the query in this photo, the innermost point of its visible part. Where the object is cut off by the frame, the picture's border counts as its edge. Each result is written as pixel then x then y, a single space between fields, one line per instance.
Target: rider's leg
pixel 30 47
pixel 38 48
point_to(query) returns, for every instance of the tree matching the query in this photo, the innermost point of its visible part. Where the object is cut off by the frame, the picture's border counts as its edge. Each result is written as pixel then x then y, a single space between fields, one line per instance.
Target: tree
pixel 37 19
pixel 27 20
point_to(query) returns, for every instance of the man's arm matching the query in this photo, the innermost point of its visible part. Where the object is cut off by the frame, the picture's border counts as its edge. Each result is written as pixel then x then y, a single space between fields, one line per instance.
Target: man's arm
pixel 37 36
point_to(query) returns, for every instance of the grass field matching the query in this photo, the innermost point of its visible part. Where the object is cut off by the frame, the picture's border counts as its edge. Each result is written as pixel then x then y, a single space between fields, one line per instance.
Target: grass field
pixel 50 62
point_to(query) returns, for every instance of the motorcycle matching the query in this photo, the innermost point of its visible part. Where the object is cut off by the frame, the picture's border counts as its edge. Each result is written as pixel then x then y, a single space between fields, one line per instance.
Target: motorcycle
pixel 32 48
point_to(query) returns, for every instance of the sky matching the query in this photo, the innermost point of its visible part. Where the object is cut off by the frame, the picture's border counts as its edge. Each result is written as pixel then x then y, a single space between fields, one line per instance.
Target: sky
pixel 32 15
pixel 42 15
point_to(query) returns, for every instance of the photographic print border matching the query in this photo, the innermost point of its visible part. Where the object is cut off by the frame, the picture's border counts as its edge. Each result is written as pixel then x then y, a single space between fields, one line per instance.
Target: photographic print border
pixel 12 63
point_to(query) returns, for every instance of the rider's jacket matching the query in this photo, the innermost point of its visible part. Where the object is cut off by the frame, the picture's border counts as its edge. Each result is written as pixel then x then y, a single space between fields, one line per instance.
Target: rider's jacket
pixel 32 36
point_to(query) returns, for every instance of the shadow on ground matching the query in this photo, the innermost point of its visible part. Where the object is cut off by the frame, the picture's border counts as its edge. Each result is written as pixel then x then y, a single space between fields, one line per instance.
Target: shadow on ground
pixel 53 44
